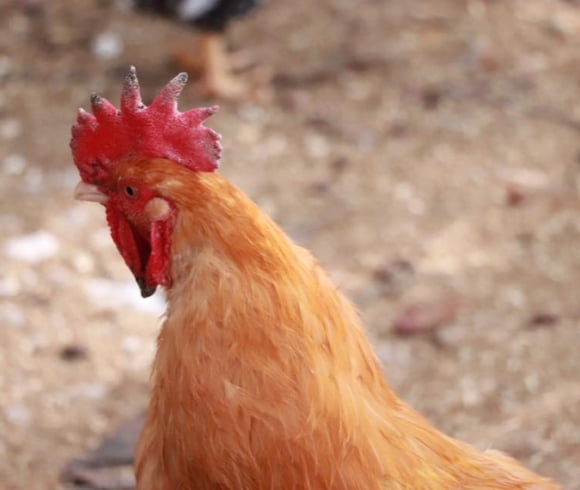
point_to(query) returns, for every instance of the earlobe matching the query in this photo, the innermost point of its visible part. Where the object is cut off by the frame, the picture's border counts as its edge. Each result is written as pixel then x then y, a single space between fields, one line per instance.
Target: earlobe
pixel 157 209
pixel 160 238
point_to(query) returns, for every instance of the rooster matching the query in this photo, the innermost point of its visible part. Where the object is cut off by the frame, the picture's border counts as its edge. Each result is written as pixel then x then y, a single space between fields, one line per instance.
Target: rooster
pixel 210 18
pixel 263 377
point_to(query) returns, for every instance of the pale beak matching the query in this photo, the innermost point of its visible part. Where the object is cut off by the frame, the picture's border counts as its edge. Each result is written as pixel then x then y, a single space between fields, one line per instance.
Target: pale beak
pixel 88 192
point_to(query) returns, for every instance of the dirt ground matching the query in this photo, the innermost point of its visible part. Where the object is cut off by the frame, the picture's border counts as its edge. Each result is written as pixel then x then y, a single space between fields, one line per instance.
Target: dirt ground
pixel 426 151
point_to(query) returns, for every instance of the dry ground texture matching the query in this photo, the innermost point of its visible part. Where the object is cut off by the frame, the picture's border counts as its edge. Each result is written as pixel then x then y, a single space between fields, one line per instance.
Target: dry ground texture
pixel 427 151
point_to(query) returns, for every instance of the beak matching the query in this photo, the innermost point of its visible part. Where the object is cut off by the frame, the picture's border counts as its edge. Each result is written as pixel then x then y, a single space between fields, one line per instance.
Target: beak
pixel 88 192
pixel 146 290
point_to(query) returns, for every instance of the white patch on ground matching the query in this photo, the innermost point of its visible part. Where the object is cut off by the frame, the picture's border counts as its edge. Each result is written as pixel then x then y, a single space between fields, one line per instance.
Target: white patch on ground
pixel 9 286
pixel 65 179
pixel 10 129
pixel 107 46
pixel 14 164
pixel 106 293
pixel 92 391
pixel 32 248
pixel 18 414
pixel 12 315
pixel 132 344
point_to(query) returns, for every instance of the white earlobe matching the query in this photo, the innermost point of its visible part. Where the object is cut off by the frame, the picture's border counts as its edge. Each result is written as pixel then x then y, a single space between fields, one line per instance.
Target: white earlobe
pixel 157 209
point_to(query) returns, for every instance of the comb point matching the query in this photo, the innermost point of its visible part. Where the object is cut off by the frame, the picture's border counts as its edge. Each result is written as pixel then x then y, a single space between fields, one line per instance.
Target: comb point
pixel 96 102
pixel 181 78
pixel 84 117
pixel 131 77
pixel 131 94
pixel 198 115
pixel 166 99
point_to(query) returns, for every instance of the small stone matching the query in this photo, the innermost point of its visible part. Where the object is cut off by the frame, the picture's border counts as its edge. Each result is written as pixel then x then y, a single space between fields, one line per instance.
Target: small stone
pixel 339 165
pixel 388 272
pixel 515 195
pixel 544 320
pixel 73 352
pixel 431 98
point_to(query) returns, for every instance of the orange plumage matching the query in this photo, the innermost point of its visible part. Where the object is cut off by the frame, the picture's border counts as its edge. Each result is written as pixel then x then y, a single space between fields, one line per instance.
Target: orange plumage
pixel 264 378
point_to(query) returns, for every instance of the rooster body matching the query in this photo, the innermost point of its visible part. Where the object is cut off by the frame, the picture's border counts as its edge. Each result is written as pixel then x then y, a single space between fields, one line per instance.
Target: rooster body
pixel 207 15
pixel 263 378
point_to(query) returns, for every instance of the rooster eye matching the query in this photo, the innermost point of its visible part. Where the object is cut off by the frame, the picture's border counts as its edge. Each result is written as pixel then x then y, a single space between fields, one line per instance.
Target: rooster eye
pixel 130 191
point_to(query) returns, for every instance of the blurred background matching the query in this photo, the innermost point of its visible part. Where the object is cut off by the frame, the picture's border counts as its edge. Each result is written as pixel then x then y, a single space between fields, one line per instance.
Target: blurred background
pixel 428 152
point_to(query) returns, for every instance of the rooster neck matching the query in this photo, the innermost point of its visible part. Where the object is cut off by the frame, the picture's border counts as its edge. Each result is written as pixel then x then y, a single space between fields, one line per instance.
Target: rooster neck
pixel 231 270
pixel 221 234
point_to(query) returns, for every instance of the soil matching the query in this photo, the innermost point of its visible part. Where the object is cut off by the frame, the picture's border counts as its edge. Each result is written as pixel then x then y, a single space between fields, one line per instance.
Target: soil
pixel 426 151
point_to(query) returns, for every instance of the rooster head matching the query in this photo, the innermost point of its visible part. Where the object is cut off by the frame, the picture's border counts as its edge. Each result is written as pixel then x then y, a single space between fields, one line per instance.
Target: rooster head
pixel 112 147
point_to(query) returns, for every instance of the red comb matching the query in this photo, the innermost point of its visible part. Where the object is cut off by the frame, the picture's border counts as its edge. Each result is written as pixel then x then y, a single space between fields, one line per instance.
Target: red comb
pixel 108 135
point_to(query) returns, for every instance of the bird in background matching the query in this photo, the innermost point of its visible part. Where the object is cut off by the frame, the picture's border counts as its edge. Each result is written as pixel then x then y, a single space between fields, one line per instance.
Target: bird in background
pixel 264 377
pixel 208 55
